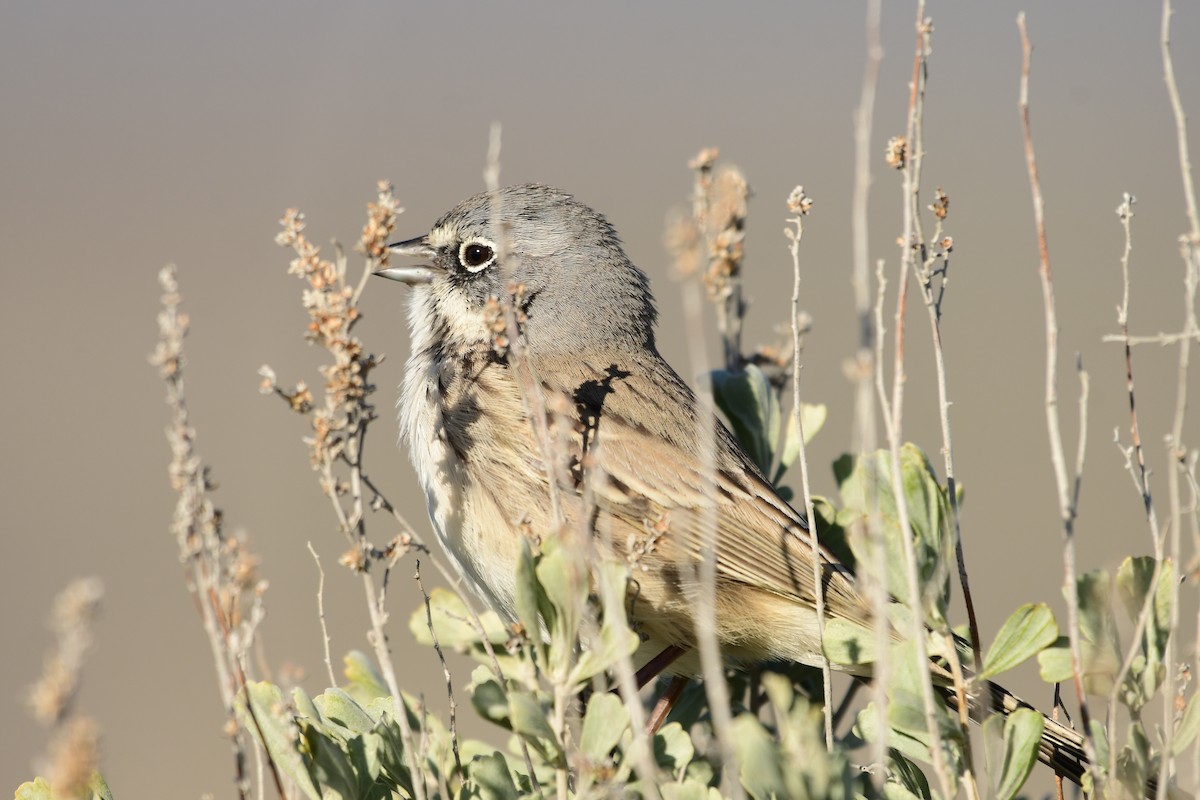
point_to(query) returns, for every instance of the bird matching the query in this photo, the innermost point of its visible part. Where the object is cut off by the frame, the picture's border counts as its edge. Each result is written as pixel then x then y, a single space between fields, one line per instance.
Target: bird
pixel 646 466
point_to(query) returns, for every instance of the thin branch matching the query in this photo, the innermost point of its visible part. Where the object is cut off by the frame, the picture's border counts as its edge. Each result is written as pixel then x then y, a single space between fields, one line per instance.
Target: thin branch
pixel 925 272
pixel 800 205
pixel 1159 339
pixel 437 646
pixel 712 666
pixel 893 422
pixel 321 614
pixel 1067 508
pixel 865 435
pixel 1177 450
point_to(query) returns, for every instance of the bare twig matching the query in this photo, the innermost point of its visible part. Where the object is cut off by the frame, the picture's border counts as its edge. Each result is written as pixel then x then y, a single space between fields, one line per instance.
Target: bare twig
pixel 892 424
pixel 1190 249
pixel 341 422
pixel 800 205
pixel 437 646
pixel 321 614
pixel 1067 507
pixel 869 336
pixel 711 663
pixel 924 271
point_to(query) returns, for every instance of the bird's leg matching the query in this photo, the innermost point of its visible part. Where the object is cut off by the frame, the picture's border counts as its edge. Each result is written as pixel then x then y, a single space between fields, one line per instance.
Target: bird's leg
pixel 654 667
pixel 665 703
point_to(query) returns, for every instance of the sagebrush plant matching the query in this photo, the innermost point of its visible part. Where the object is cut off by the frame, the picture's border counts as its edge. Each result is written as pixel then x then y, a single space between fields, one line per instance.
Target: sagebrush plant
pixel 559 683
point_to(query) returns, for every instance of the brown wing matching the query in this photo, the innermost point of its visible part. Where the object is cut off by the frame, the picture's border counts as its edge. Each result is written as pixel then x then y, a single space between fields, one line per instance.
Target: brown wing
pixel 639 427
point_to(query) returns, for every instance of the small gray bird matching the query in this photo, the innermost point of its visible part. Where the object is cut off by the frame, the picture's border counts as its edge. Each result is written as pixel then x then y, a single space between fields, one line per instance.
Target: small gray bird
pixel 636 440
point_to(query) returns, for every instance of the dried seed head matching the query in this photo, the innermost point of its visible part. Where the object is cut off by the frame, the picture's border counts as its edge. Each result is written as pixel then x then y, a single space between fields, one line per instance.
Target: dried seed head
pixel 704 160
pixel 941 206
pixel 798 202
pixel 896 154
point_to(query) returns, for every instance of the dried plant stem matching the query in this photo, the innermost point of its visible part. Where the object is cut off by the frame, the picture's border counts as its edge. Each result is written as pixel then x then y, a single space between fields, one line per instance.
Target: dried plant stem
pixel 376 612
pixel 640 746
pixel 1159 338
pixel 1067 505
pixel 893 416
pixel 810 512
pixel 1141 477
pixel 880 593
pixel 869 327
pixel 712 666
pixel 924 274
pixel 934 308
pixel 1190 249
pixel 321 614
pixel 437 646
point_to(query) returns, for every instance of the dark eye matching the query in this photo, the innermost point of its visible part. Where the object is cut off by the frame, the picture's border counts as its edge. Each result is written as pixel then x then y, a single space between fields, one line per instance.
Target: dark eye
pixel 476 255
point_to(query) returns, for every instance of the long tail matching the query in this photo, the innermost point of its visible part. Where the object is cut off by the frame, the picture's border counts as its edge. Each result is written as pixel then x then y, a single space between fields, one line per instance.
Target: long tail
pixel 1061 748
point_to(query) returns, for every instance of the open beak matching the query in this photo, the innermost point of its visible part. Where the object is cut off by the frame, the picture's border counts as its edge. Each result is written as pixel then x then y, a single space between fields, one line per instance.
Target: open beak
pixel 413 275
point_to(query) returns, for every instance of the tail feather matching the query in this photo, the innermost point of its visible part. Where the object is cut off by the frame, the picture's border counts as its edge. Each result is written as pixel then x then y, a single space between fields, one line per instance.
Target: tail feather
pixel 1061 748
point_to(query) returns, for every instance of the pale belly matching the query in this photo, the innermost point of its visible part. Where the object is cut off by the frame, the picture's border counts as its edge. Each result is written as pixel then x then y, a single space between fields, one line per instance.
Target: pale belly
pixel 464 517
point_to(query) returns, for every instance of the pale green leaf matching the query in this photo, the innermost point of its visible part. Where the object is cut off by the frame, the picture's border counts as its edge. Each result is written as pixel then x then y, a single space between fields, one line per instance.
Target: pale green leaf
pixel 848 643
pixel 36 789
pixel 492 778
pixel 673 748
pixel 1189 726
pixel 759 759
pixel 273 726
pixel 1054 662
pixel 606 719
pixel 1099 644
pixel 529 718
pixel 812 419
pixel 1029 630
pixel 1022 733
pixel 364 680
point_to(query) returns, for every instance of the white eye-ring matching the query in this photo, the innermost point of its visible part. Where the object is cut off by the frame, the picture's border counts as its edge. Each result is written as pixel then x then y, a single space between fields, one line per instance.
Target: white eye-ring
pixel 477 254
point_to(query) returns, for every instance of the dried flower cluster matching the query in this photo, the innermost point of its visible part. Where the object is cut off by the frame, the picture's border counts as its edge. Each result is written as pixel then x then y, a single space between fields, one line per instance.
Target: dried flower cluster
pixel 798 202
pixel 332 305
pixel 638 547
pixel 74 610
pixel 74 759
pixel 495 316
pixel 726 221
pixel 941 206
pixel 221 572
pixel 682 240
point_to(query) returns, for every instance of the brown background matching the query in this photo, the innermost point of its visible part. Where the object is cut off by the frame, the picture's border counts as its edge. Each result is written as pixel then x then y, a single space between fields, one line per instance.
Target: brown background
pixel 141 133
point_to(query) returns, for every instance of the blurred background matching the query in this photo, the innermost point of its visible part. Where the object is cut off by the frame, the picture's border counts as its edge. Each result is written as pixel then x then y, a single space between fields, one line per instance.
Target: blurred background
pixel 140 133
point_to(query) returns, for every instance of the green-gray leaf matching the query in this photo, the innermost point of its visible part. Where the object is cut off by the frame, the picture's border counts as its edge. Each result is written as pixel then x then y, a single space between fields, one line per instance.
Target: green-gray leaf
pixel 749 403
pixel 603 724
pixel 1022 733
pixel 1030 629
pixel 1189 726
pixel 1054 662
pixel 492 778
